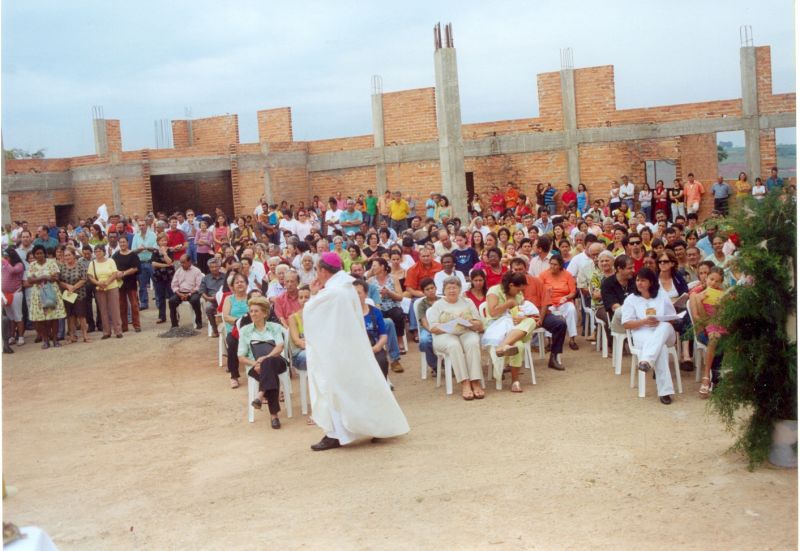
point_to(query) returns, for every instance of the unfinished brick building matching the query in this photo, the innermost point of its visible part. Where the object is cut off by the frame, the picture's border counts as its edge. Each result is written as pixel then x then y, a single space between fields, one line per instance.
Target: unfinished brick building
pixel 418 144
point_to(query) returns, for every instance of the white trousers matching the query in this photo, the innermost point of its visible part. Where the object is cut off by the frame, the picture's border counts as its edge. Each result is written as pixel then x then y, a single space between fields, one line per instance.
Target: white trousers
pixel 570 315
pixel 339 431
pixel 652 343
pixel 464 352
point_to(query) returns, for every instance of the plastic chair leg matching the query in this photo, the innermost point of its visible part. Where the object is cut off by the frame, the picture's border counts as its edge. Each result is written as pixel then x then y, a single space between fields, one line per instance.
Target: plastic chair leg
pixel 252 391
pixel 303 376
pixel 286 385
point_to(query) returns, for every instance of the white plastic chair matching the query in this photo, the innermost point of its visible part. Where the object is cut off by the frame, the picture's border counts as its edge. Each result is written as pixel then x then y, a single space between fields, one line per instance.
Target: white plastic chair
pixel 527 355
pixel 602 338
pixel 699 357
pixel 285 382
pixel 302 374
pixel 221 330
pixel 618 343
pixel 671 350
pixel 203 303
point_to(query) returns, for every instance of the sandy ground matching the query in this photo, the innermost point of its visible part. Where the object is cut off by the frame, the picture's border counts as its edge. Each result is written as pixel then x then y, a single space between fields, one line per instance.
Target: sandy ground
pixel 139 444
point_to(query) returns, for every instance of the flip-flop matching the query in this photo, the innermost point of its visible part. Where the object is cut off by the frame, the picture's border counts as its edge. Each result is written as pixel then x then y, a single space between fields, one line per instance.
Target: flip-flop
pixel 516 386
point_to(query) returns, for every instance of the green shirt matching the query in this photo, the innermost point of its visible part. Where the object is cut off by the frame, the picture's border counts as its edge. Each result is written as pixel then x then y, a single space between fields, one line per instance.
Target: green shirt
pixel 372 204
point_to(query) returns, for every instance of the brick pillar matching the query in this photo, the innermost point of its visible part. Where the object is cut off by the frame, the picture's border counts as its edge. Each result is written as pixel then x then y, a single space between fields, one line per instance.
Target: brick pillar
pixel 234 156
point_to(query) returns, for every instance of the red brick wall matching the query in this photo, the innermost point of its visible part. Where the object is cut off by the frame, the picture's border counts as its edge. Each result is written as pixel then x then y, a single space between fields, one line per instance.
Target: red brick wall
pixel 113 136
pixel 350 181
pixel 341 144
pixel 212 134
pixel 275 125
pixel 409 116
pixel 595 98
pixel 90 195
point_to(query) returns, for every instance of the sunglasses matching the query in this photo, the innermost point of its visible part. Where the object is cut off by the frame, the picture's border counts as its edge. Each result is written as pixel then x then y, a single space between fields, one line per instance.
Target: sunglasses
pixel 634 242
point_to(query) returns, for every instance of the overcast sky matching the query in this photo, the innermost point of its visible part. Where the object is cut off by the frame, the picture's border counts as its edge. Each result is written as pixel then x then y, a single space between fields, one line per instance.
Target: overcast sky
pixel 144 60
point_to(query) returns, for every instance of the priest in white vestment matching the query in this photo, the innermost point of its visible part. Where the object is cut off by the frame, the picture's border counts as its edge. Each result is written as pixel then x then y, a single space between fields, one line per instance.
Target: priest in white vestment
pixel 350 398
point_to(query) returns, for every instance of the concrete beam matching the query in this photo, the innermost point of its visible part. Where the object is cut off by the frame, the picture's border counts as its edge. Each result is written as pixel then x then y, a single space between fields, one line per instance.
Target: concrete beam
pixel 268 196
pixel 100 137
pixel 42 181
pixel 274 159
pixel 752 136
pixel 189 165
pixel 96 173
pixel 448 122
pixel 570 119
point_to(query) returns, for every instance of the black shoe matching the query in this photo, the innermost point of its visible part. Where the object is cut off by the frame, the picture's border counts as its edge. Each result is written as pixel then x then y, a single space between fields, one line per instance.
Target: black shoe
pixel 554 363
pixel 666 400
pixel 376 440
pixel 7 349
pixel 276 424
pixel 198 326
pixel 573 345
pixel 326 444
pixel 174 325
pixel 644 367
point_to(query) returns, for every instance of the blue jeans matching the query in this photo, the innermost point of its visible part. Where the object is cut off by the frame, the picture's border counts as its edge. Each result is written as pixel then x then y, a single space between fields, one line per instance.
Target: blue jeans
pixel 412 318
pixel 193 251
pixel 552 209
pixel 426 346
pixel 392 346
pixel 647 211
pixel 369 219
pixel 145 275
pixel 629 202
pixel 299 360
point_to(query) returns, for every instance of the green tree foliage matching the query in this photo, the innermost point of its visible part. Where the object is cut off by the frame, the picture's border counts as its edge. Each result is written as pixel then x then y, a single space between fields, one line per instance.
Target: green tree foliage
pixel 22 154
pixel 759 380
pixel 721 154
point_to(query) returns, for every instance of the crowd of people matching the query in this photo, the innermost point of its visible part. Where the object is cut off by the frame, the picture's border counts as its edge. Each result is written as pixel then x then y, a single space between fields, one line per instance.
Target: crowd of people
pixel 517 263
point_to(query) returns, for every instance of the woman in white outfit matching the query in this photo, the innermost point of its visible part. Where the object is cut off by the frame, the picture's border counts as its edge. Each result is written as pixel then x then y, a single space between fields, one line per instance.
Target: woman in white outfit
pixel 461 344
pixel 650 336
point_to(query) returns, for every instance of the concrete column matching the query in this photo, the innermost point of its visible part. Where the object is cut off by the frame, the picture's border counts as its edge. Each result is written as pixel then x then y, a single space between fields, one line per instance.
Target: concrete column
pixel 752 138
pixel 100 137
pixel 267 176
pixel 378 143
pixel 6 207
pixel 570 120
pixel 448 121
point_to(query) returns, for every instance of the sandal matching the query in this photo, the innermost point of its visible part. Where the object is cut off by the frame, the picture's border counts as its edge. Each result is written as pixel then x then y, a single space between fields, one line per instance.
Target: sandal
pixel 310 421
pixel 256 403
pixel 705 387
pixel 234 383
pixel 502 351
pixel 516 386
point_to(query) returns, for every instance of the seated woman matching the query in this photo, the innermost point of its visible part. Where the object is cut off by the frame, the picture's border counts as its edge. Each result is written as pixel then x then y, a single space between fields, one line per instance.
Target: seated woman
pixel 260 347
pixel 650 336
pixel 391 296
pixel 563 290
pixel 502 309
pixel 461 344
pixel 477 290
pixel 376 329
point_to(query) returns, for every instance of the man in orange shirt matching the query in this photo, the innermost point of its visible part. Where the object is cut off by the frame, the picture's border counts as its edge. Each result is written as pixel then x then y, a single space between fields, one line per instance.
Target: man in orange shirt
pixel 535 293
pixel 511 196
pixel 426 267
pixel 692 193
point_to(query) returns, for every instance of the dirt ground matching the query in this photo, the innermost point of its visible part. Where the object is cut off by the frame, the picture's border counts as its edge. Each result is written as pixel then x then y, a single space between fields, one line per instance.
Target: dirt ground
pixel 139 443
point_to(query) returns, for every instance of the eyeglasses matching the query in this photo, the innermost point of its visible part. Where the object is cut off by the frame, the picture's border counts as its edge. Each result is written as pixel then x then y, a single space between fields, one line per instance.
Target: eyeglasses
pixel 665 261
pixel 634 242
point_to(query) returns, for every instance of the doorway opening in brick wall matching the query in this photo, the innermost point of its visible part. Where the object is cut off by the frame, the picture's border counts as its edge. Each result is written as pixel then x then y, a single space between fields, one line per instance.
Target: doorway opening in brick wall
pixel 65 214
pixel 200 191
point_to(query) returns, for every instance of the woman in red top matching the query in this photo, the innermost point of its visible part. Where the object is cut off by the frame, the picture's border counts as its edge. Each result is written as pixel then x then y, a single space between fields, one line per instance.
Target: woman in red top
pixel 494 269
pixel 569 199
pixel 560 284
pixel 523 208
pixel 661 199
pixel 498 201
pixel 477 291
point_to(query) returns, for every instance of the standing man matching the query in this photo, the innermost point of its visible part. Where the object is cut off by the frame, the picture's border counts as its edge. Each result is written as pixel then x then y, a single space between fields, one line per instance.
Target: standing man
pixel 144 244
pixel 350 398
pixel 412 210
pixel 692 193
pixel 383 206
pixel 721 191
pixel 550 198
pixel 398 212
pixel 211 283
pixel 371 204
pixel 186 288
pixel 350 219
pixel 626 191
pixel 189 227
pixel 773 182
pixel 176 240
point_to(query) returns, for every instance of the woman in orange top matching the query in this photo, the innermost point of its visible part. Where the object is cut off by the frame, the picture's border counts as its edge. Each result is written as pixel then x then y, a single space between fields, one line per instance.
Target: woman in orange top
pixel 562 289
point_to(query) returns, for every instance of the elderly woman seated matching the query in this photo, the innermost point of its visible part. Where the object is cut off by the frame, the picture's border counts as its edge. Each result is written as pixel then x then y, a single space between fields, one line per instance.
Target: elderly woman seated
pixel 502 307
pixel 650 336
pixel 454 323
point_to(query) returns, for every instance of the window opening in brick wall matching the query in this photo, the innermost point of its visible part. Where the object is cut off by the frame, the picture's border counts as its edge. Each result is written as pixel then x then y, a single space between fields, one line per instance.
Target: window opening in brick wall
pixel 731 159
pixel 65 214
pixel 661 169
pixel 470 177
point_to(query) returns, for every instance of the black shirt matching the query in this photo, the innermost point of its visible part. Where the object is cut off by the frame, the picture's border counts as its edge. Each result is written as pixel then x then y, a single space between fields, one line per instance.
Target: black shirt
pixel 126 262
pixel 612 292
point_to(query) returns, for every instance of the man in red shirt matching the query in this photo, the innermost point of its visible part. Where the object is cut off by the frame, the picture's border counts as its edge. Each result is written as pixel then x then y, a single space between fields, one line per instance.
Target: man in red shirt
pixel 176 240
pixel 426 267
pixel 288 302
pixel 568 198
pixel 498 201
pixel 633 248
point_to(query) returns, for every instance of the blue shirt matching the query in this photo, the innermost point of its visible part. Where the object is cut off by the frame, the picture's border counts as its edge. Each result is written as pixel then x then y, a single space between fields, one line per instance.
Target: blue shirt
pixel 465 259
pixel 350 217
pixel 772 183
pixel 148 242
pixel 375 325
pixel 430 208
pixel 721 191
pixel 549 196
pixel 705 246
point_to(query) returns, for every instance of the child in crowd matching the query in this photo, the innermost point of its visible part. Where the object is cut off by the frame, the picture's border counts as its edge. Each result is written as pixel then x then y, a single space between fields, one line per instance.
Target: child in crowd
pixel 706 304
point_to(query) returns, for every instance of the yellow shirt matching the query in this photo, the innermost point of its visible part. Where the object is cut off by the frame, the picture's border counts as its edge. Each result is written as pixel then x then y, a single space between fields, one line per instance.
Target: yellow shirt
pixel 398 210
pixel 102 270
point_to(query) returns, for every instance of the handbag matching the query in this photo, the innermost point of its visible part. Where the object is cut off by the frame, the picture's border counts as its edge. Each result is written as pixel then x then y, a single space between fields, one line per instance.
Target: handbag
pixel 47 296
pixel 263 348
